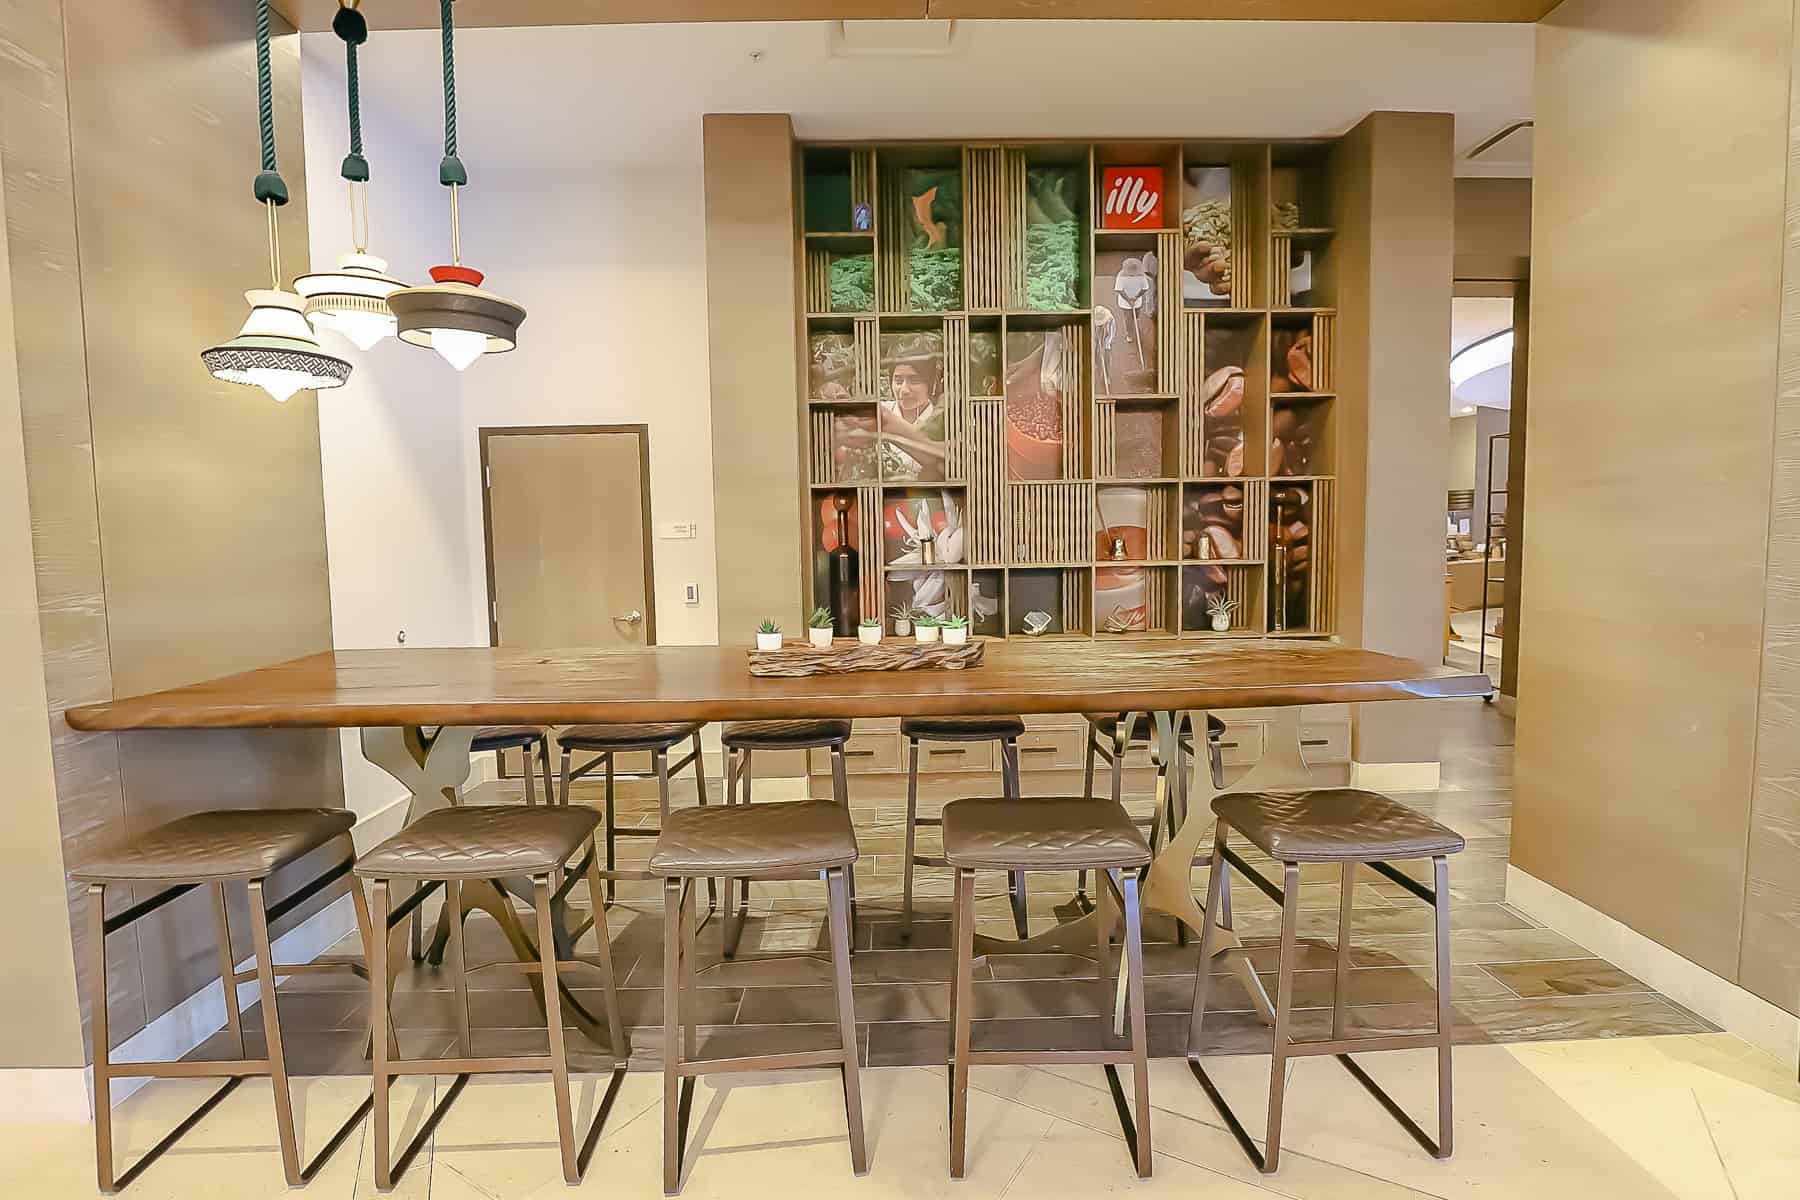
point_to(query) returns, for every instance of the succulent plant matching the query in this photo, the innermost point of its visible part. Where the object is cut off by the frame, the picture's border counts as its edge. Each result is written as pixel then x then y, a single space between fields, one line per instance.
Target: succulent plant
pixel 768 626
pixel 922 620
pixel 956 622
pixel 900 613
pixel 820 619
pixel 871 622
pixel 1217 605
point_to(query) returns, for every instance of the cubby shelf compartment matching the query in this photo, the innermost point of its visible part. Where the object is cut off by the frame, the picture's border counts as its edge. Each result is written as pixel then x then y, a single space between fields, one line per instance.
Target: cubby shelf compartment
pixel 1133 600
pixel 1144 518
pixel 1050 522
pixel 1302 528
pixel 1225 515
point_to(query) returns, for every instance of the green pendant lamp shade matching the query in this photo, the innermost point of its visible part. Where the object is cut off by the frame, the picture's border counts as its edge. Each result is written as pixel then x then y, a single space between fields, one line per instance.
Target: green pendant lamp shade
pixel 353 299
pixel 275 350
pixel 452 315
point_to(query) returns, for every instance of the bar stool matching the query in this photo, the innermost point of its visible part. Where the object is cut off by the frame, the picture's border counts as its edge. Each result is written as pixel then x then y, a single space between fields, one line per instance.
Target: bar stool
pixel 1006 731
pixel 1060 834
pixel 453 846
pixel 792 840
pixel 530 739
pixel 211 850
pixel 1349 827
pixel 605 741
pixel 742 739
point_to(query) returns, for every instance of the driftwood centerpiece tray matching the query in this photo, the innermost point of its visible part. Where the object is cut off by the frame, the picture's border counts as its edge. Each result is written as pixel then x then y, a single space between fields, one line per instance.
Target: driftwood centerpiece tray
pixel 851 654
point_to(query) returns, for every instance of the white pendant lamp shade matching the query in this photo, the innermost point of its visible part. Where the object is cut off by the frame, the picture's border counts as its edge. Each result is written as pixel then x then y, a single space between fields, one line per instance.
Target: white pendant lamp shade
pixel 276 349
pixel 453 316
pixel 352 299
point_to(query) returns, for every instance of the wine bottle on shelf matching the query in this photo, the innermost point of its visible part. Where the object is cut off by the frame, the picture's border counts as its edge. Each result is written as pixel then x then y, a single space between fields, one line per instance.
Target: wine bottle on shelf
pixel 843 567
pixel 1278 573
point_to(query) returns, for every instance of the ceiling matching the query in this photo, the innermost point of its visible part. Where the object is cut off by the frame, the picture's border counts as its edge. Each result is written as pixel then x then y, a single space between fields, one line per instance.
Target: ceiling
pixel 423 14
pixel 612 95
pixel 1473 318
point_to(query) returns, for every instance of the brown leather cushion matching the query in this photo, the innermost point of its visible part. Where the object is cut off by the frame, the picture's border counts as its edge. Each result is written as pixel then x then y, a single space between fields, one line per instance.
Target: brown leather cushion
pixel 1057 833
pixel 657 735
pixel 482 842
pixel 750 840
pixel 1143 729
pixel 1334 825
pixel 962 729
pixel 783 735
pixel 208 846
pixel 505 737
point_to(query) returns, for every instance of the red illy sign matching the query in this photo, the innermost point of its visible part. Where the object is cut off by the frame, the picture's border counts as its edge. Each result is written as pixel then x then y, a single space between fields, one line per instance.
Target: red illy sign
pixel 1131 198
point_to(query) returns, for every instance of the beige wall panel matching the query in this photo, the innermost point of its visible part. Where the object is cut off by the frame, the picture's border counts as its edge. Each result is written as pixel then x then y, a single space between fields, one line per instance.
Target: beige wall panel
pixel 1493 228
pixel 35 941
pixel 178 524
pixel 1769 958
pixel 1390 268
pixel 753 308
pixel 1652 388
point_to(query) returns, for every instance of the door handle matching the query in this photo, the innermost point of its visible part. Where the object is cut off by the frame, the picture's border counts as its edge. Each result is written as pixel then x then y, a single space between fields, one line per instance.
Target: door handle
pixel 630 618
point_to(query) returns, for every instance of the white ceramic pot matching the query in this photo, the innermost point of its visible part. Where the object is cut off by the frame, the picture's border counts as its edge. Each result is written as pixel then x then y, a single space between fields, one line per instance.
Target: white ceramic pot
pixel 820 637
pixel 1221 623
pixel 956 635
pixel 925 633
pixel 869 635
pixel 902 627
pixel 768 641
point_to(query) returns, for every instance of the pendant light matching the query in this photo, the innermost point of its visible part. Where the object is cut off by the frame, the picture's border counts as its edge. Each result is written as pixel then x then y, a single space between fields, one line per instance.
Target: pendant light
pixel 275 350
pixel 353 298
pixel 452 314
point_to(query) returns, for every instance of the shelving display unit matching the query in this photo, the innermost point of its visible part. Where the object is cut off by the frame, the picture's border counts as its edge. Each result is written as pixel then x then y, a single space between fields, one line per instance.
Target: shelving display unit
pixel 1061 429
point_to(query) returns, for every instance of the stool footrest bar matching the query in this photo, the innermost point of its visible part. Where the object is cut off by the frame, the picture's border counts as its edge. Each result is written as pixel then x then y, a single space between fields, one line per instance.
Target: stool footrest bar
pixel 762 1062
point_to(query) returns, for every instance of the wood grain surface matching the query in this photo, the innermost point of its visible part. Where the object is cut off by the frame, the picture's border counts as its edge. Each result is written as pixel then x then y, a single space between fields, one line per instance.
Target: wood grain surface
pixel 496 686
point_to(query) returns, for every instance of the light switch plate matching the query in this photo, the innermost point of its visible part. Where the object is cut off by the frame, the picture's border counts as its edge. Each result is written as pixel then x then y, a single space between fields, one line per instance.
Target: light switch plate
pixel 691 596
pixel 677 530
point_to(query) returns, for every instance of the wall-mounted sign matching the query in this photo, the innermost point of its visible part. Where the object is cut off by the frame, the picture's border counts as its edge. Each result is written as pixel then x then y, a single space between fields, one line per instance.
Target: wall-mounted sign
pixel 1131 198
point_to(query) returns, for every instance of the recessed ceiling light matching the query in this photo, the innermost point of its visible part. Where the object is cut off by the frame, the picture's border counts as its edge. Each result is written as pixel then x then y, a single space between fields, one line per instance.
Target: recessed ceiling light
pixel 1467 410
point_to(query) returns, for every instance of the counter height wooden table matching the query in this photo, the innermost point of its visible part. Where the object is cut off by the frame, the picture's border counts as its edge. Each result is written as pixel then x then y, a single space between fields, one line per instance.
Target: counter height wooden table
pixel 419 708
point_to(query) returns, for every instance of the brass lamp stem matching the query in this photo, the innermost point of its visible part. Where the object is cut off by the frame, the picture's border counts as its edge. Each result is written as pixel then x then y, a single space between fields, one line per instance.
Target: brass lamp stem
pixel 274 248
pixel 455 230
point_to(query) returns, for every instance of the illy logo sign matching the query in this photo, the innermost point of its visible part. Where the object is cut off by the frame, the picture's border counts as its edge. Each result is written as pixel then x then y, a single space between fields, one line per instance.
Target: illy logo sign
pixel 1131 198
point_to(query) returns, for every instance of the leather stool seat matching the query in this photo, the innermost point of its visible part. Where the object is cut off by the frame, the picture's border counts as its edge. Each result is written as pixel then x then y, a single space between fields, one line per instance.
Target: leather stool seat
pixel 505 737
pixel 485 842
pixel 1334 825
pixel 652 735
pixel 1063 833
pixel 962 729
pixel 750 840
pixel 784 735
pixel 209 847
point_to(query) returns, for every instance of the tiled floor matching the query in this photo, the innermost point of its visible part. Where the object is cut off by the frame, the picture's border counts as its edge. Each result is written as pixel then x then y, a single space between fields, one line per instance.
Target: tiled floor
pixel 1699 1117
pixel 1513 980
pixel 1539 1115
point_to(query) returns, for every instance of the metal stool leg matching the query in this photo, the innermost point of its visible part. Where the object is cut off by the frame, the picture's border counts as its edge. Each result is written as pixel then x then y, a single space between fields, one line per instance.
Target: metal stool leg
pixel 712 885
pixel 837 887
pixel 103 1152
pixel 735 915
pixel 1215 881
pixel 271 1018
pixel 840 791
pixel 1284 1007
pixel 544 768
pixel 559 1053
pixel 678 1093
pixel 1009 786
pixel 459 964
pixel 965 1010
pixel 612 830
pixel 530 784
pixel 1140 1054
pixel 567 778
pixel 1340 991
pixel 912 817
pixel 378 1016
pixel 1087 792
pixel 1440 871
pixel 234 1022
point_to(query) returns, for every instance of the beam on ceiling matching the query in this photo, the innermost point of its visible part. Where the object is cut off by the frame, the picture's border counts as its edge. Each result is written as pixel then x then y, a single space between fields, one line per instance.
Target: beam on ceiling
pixel 423 14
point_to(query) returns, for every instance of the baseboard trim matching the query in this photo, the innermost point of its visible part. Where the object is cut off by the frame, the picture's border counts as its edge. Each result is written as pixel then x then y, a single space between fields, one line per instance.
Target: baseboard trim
pixel 1764 1025
pixel 1397 777
pixel 1507 706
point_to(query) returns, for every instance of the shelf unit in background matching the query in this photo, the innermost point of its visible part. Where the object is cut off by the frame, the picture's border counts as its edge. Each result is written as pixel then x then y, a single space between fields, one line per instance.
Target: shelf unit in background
pixel 1074 389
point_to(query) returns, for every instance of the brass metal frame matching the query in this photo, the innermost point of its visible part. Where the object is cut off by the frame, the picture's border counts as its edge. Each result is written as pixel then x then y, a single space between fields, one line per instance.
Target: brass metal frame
pixel 1009 786
pixel 659 762
pixel 739 767
pixel 1120 894
pixel 236 1070
pixel 681 1068
pixel 545 982
pixel 1340 1044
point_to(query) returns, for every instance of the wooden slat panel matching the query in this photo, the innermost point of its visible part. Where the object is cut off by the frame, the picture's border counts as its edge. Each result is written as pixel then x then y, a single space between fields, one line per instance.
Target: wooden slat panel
pixel 868 532
pixel 1051 523
pixel 1193 394
pixel 818 279
pixel 1281 250
pixel 820 423
pixel 1106 462
pixel 1013 227
pixel 1323 572
pixel 1170 315
pixel 868 357
pixel 986 513
pixel 1076 347
pixel 985 245
pixel 893 241
pixel 956 398
pixel 1324 365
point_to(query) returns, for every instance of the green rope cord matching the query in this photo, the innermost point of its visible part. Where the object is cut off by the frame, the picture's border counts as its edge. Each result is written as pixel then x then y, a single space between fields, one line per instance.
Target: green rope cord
pixel 450 171
pixel 270 187
pixel 350 26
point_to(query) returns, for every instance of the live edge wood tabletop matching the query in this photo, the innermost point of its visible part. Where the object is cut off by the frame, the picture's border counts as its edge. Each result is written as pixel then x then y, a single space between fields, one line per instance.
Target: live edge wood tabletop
pixel 472 686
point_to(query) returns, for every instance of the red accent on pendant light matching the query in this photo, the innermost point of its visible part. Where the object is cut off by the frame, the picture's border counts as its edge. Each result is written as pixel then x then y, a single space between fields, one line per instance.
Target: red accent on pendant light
pixel 466 275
